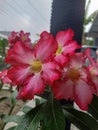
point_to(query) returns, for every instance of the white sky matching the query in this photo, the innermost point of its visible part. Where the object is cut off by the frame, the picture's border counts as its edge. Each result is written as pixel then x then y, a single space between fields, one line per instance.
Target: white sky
pixel 93 6
pixel 29 15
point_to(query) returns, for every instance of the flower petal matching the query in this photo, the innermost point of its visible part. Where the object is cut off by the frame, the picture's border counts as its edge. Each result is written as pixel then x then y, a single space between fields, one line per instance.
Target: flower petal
pixel 63 37
pixel 34 85
pixel 18 74
pixel 19 54
pixel 76 60
pixel 61 59
pixel 4 77
pixel 25 93
pixel 50 72
pixel 83 94
pixel 45 35
pixel 45 48
pixel 95 85
pixel 63 89
pixel 87 53
pixel 70 47
pixel 6 80
pixel 3 73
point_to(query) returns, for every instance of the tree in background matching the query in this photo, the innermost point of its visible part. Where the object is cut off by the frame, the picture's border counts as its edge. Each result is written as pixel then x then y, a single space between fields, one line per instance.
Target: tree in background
pixel 88 19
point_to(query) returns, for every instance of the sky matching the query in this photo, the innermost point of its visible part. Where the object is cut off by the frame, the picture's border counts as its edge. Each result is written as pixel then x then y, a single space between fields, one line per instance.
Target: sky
pixel 93 6
pixel 30 15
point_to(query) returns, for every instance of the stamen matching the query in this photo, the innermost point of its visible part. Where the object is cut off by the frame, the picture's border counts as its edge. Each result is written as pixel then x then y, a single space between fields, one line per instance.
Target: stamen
pixel 74 74
pixel 36 66
pixel 59 50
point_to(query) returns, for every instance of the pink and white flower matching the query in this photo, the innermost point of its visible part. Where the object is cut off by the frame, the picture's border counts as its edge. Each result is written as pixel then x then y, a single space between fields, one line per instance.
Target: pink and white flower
pixel 93 70
pixel 66 46
pixel 19 37
pixel 32 70
pixel 74 83
pixel 4 78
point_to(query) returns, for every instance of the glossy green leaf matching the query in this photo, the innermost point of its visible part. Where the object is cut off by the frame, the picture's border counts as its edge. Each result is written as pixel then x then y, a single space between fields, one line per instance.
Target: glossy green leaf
pixel 51 117
pixel 26 109
pixel 39 101
pixel 54 117
pixel 93 107
pixel 12 118
pixel 12 128
pixel 35 123
pixel 81 119
pixel 47 116
pixel 29 117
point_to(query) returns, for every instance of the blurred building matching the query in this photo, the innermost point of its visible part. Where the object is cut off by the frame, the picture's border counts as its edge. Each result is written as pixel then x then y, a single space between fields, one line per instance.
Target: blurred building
pixel 4 34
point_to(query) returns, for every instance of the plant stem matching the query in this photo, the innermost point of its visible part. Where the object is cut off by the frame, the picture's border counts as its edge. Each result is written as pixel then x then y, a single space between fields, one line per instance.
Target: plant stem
pixel 1 85
pixel 9 113
pixel 11 109
pixel 10 88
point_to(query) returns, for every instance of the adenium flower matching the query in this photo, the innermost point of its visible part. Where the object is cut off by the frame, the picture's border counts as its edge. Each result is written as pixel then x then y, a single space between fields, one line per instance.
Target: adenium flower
pixel 19 36
pixel 66 46
pixel 45 35
pixel 74 83
pixel 4 78
pixel 93 70
pixel 32 70
pixel 53 62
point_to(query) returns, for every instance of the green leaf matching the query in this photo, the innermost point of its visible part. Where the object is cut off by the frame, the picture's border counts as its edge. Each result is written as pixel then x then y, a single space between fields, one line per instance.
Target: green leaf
pixel 53 117
pixel 93 107
pixel 12 128
pixel 3 65
pixel 81 119
pixel 3 44
pixel 39 101
pixel 35 123
pixel 90 18
pixel 26 109
pixel 12 118
pixel 13 97
pixel 29 117
pixel 47 116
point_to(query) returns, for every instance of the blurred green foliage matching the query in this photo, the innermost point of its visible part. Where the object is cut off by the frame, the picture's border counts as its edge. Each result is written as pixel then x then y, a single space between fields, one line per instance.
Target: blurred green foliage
pixel 87 20
pixel 3 50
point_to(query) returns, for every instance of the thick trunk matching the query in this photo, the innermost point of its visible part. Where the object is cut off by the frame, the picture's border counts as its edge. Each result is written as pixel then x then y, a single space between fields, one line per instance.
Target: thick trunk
pixel 68 14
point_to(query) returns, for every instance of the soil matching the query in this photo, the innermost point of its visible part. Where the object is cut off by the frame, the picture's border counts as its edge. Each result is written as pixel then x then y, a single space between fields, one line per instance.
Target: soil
pixel 5 105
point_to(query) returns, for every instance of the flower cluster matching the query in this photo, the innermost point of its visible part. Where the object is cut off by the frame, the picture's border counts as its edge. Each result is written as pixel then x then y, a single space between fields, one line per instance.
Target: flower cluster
pixel 52 61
